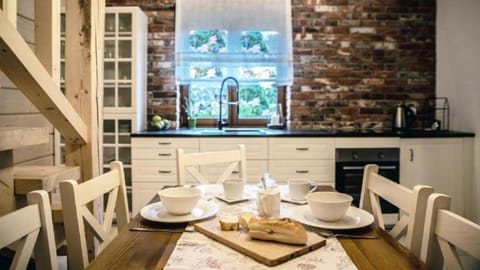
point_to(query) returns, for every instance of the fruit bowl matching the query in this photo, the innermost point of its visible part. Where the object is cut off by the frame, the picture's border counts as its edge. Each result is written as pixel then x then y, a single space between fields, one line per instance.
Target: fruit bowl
pixel 161 124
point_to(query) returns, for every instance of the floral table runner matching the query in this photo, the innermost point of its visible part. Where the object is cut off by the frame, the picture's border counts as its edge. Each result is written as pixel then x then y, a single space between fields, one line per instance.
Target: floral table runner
pixel 197 251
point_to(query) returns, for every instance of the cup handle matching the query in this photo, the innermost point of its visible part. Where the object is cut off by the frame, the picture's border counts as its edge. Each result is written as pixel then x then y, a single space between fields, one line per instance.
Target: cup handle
pixel 312 188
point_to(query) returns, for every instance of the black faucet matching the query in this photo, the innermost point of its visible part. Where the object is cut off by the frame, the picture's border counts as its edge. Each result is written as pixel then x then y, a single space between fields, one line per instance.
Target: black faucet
pixel 220 123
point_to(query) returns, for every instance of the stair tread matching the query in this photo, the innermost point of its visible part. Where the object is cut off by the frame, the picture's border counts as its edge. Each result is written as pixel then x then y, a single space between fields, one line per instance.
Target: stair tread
pixel 28 178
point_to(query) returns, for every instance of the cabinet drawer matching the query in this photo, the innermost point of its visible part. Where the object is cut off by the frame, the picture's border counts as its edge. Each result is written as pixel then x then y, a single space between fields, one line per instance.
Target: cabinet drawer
pixel 155 171
pixel 301 148
pixel 255 170
pixel 158 153
pixel 165 142
pixel 256 148
pixel 367 142
pixel 316 170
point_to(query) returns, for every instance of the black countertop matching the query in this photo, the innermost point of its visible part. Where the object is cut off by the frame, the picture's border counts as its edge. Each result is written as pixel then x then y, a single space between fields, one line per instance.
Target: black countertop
pixel 263 132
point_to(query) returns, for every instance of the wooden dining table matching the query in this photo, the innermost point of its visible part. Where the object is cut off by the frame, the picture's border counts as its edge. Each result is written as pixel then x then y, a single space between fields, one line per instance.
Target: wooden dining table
pixel 151 250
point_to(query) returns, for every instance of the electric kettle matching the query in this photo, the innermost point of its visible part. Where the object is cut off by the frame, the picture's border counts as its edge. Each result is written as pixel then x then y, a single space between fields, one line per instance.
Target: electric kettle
pixel 403 117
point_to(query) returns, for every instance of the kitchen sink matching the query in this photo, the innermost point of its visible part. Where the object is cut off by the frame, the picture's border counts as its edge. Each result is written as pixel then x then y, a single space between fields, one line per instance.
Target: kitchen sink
pixel 239 131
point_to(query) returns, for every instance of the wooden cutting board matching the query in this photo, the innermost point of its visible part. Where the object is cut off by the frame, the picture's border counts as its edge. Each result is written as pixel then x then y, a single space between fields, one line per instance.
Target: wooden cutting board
pixel 266 252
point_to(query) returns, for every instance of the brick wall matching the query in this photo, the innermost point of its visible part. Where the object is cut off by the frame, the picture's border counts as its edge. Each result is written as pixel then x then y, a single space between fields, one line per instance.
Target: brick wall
pixel 353 60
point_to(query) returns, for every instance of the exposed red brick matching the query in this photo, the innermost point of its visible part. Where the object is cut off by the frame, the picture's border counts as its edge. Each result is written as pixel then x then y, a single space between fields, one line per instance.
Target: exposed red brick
pixel 336 73
pixel 330 62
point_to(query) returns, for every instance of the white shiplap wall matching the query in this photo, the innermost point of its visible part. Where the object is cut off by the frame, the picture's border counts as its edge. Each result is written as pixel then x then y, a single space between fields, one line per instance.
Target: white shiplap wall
pixel 15 108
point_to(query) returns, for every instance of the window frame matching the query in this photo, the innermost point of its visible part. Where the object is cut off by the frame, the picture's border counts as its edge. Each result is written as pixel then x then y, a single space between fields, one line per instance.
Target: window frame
pixel 233 119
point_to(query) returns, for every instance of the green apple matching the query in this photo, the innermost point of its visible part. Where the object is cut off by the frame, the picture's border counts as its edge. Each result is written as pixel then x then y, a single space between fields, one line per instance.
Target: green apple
pixel 159 124
pixel 156 118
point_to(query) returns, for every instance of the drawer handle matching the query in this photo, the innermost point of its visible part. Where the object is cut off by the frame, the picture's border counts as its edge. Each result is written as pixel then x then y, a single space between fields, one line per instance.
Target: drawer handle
pixel 302 148
pixel 235 172
pixel 164 154
pixel 164 172
pixel 164 143
pixel 301 171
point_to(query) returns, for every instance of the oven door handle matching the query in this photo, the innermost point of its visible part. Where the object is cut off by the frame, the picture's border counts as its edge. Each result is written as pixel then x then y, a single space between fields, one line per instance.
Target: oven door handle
pixel 355 168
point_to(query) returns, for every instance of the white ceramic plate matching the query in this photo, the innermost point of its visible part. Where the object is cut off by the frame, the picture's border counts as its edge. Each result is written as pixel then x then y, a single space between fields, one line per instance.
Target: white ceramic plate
pixel 156 212
pixel 354 218
pixel 221 197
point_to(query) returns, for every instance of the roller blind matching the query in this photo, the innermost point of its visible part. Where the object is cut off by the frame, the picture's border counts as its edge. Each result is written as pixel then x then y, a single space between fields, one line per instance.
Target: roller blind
pixel 233 38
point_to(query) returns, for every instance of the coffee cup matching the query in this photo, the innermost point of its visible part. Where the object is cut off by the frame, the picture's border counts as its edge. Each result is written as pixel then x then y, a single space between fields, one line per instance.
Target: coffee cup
pixel 299 188
pixel 233 188
pixel 268 203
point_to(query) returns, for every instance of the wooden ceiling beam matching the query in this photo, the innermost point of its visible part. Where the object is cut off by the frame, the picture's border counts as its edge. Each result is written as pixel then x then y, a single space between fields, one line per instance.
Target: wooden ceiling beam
pixel 22 67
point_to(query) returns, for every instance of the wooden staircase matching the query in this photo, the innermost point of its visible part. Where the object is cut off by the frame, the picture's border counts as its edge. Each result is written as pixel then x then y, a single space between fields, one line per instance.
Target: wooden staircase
pixel 10 138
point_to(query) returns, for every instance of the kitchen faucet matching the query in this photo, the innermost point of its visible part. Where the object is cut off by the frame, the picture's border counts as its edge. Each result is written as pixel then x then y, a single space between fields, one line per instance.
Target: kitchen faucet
pixel 221 124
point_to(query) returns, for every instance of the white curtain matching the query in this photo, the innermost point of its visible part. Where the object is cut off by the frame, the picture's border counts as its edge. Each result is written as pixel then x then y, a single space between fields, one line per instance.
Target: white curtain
pixel 233 17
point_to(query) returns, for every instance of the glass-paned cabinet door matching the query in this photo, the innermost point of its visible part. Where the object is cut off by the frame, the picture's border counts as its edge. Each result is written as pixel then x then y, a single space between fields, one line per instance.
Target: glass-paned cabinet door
pixel 124 95
pixel 110 24
pixel 116 140
pixel 109 70
pixel 124 24
pixel 109 49
pixel 109 95
pixel 119 61
pixel 117 145
pixel 124 71
pixel 124 49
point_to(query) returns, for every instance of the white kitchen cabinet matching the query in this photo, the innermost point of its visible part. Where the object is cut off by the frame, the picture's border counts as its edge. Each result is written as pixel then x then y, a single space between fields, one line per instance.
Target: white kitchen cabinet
pixel 436 162
pixel 255 170
pixel 369 142
pixel 318 170
pixel 125 55
pixel 257 155
pixel 301 148
pixel 444 163
pixel 154 165
pixel 298 157
pixel 144 193
pixel 124 85
pixel 256 148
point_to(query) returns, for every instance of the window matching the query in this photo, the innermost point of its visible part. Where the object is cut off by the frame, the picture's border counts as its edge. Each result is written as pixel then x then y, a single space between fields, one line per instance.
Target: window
pixel 250 40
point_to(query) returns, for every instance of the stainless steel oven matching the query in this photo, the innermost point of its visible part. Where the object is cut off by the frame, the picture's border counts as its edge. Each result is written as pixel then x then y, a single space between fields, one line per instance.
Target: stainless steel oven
pixel 349 167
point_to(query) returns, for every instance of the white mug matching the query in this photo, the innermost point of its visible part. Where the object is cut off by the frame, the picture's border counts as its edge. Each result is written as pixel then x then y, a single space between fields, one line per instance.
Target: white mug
pixel 299 188
pixel 233 188
pixel 268 203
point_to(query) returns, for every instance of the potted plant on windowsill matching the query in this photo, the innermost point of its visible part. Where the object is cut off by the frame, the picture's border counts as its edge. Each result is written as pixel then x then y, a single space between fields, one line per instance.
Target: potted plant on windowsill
pixel 191 114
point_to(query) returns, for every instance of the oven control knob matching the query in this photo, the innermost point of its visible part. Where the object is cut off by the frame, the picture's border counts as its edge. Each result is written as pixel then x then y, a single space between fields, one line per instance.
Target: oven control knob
pixel 381 155
pixel 355 155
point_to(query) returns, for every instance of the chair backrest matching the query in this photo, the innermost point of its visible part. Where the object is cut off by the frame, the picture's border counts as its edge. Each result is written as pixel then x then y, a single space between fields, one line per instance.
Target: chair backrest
pixel 446 231
pixel 235 159
pixel 411 202
pixel 75 199
pixel 31 228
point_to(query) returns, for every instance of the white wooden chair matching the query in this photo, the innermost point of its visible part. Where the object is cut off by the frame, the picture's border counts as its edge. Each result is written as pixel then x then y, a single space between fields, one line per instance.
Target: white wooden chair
pixel 411 202
pixel 444 233
pixel 32 228
pixel 75 199
pixel 190 162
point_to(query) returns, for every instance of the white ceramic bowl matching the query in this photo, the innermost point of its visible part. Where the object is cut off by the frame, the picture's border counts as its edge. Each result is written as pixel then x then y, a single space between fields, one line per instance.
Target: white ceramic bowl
pixel 329 206
pixel 179 200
